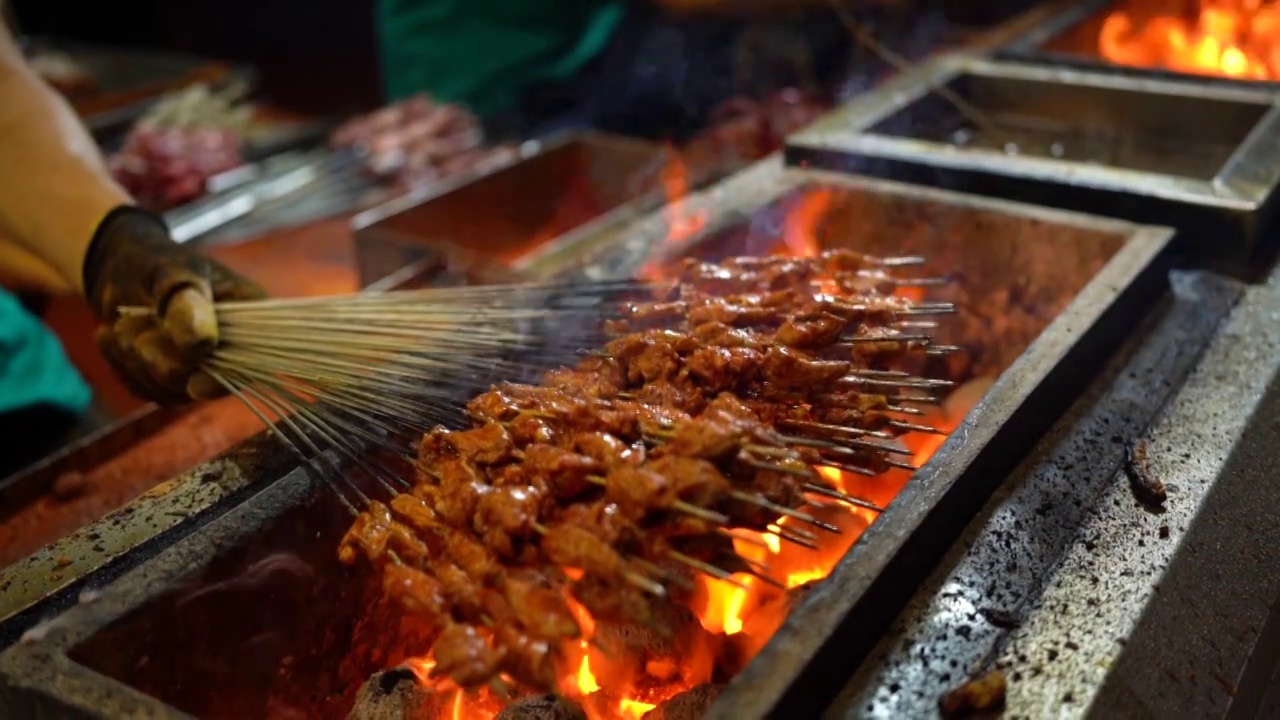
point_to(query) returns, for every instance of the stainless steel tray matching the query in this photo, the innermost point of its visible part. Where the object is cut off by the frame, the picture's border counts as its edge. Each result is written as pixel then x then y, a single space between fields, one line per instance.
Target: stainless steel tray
pixel 1203 158
pixel 557 188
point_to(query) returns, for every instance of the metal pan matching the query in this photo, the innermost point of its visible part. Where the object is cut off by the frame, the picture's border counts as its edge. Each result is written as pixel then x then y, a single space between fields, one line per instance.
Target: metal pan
pixel 1205 159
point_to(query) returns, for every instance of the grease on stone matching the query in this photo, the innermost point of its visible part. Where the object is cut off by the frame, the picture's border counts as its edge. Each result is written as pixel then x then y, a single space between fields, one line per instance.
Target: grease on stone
pixel 976 696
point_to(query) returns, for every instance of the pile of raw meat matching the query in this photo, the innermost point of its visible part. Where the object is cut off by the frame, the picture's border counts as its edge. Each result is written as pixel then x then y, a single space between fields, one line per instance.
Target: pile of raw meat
pixel 418 141
pixel 170 154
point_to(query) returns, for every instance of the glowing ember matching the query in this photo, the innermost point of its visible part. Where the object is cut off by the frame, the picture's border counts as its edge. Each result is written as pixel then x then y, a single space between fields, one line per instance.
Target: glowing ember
pixel 1231 38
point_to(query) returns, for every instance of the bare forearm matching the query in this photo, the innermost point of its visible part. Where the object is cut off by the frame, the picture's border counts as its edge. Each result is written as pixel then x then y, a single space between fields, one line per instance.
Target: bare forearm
pixel 54 188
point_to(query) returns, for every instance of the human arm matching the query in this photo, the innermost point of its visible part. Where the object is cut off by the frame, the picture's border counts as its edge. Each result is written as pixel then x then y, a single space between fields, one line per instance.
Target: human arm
pixel 54 187
pixel 62 214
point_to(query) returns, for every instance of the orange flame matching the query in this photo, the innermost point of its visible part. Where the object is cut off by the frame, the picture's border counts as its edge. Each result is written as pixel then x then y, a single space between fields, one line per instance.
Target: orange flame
pixel 800 228
pixel 681 224
pixel 1231 38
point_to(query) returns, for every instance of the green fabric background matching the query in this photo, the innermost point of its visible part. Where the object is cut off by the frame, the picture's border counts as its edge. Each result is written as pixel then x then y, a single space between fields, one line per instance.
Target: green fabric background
pixel 484 53
pixel 34 369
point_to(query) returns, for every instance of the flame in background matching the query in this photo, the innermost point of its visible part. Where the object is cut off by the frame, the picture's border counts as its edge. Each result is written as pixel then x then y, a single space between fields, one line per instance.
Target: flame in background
pixel 1231 38
pixel 681 223
pixel 746 612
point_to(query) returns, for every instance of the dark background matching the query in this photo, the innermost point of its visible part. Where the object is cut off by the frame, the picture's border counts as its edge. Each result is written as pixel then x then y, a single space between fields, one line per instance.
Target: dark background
pixel 317 56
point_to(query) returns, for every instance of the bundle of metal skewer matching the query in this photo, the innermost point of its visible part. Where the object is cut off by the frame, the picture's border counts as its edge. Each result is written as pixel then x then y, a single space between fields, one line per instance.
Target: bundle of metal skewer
pixel 609 481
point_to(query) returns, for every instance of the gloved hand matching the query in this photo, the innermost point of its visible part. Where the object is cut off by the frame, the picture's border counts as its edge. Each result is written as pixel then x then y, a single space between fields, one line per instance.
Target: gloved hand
pixel 132 261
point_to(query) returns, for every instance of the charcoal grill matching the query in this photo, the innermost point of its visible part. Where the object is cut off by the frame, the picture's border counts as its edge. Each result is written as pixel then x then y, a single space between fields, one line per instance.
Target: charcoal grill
pixel 227 620
pixel 1065 33
pixel 1202 158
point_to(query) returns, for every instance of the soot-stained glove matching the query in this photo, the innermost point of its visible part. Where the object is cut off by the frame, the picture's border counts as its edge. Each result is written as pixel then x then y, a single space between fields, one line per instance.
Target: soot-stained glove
pixel 132 261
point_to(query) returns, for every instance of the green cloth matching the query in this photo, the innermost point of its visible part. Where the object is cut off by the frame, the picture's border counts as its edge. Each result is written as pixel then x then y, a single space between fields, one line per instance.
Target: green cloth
pixel 34 370
pixel 485 53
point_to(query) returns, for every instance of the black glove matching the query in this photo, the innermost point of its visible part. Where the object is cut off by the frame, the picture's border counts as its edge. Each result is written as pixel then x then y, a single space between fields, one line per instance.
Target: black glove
pixel 132 261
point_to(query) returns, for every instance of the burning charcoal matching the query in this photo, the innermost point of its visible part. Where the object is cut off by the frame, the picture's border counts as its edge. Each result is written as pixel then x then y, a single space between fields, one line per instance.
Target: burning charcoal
pixel 393 695
pixel 765 621
pixel 985 693
pixel 688 705
pixel 675 644
pixel 542 707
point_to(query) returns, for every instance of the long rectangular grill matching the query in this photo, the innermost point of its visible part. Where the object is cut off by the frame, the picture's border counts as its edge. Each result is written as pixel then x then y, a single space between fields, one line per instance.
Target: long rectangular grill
pixel 249 578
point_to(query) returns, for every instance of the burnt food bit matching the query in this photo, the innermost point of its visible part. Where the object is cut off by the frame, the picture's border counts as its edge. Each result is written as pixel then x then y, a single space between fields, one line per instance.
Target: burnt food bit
pixel 976 696
pixel 1148 488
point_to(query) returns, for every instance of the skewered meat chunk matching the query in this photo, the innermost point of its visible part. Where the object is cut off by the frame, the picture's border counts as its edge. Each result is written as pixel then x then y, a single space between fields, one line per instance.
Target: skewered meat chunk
pixel 786 368
pixel 368 534
pixel 561 472
pixel 613 602
pixel 666 394
pixel 815 331
pixel 608 450
pixel 575 547
pixel 506 515
pixel 541 610
pixel 466 657
pixel 488 444
pixel 527 659
pixel 694 480
pixel 461 486
pixel 528 429
pixel 419 592
pixel 719 368
pixel 416 513
pixel 639 488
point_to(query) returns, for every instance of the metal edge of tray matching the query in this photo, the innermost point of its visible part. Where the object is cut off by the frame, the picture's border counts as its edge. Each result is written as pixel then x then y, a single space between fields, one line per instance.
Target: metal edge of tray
pixel 97 447
pixel 370 232
pixel 825 639
pixel 40 675
pixel 1230 211
pixel 38 678
pixel 1026 44
pixel 44 582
